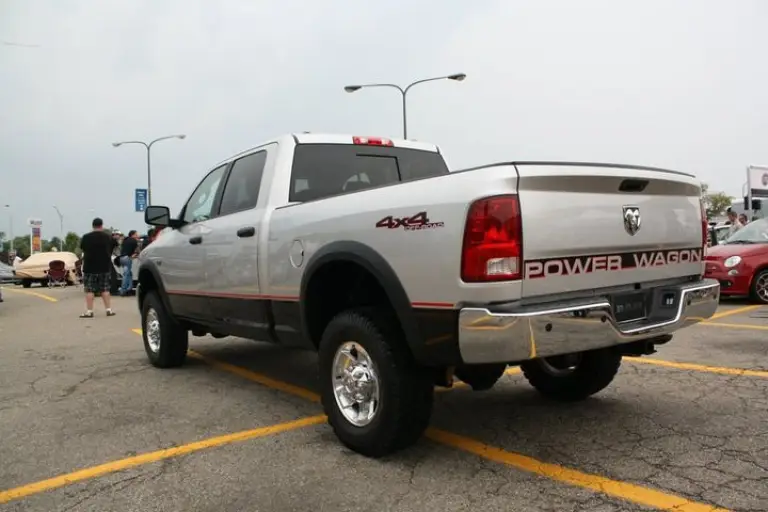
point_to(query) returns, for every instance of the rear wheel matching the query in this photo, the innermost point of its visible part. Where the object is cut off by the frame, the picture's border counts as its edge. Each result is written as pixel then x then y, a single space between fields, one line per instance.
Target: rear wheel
pixel 573 377
pixel 377 399
pixel 26 283
pixel 758 292
pixel 165 341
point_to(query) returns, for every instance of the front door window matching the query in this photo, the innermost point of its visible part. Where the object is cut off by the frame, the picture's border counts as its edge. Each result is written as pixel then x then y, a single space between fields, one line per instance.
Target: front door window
pixel 200 205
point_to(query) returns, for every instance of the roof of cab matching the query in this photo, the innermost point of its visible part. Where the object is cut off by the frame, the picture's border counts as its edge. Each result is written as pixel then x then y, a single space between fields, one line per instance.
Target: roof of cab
pixel 335 138
pixel 327 138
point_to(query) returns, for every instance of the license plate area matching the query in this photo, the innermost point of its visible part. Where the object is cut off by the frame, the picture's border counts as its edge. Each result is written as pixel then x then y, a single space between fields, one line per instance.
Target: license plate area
pixel 629 307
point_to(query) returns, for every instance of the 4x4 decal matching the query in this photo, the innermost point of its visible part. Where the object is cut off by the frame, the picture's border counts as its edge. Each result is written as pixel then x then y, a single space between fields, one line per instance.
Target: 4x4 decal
pixel 418 221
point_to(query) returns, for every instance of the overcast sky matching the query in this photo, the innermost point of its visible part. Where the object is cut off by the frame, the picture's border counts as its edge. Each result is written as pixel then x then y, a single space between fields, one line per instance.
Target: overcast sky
pixel 673 83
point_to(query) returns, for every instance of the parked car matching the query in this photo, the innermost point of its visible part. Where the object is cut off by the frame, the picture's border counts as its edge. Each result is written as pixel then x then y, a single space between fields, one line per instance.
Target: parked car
pixel 7 275
pixel 720 233
pixel 740 262
pixel 35 268
pixel 402 274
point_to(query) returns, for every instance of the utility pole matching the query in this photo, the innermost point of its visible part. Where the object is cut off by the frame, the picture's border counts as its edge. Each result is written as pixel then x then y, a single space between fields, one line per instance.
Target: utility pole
pixel 61 228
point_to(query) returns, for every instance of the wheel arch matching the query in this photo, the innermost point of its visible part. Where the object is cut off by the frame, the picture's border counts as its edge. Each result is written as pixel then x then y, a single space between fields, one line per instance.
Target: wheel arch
pixel 149 279
pixel 368 259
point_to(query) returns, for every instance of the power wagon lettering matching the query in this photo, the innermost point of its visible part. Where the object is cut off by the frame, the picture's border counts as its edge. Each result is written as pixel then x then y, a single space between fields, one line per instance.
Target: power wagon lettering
pixel 609 262
pixel 418 221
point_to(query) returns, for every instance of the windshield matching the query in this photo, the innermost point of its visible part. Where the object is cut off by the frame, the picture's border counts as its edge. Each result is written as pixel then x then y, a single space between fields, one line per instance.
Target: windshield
pixel 755 232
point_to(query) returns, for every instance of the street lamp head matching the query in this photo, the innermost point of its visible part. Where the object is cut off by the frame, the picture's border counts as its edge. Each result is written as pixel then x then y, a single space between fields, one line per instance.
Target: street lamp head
pixel 353 88
pixel 117 144
pixel 458 77
pixel 182 136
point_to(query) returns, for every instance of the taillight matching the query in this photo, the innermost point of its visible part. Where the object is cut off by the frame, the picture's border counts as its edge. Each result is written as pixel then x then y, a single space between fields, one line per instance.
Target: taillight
pixel 372 141
pixel 493 241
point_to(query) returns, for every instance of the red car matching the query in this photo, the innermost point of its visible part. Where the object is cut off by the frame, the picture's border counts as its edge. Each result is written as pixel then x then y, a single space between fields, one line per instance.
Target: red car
pixel 740 262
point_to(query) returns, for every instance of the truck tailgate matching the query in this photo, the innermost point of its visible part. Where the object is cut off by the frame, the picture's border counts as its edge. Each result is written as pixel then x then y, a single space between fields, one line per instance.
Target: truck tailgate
pixel 590 226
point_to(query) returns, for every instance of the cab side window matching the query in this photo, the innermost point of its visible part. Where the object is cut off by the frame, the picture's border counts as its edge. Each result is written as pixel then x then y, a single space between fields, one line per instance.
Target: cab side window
pixel 242 189
pixel 200 205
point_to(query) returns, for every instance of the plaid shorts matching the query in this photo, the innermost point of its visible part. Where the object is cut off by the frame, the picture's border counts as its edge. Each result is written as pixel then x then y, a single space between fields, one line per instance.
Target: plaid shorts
pixel 95 283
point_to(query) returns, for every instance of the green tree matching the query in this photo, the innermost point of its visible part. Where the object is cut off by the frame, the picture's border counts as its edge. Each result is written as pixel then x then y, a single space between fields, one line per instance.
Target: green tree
pixel 72 243
pixel 715 203
pixel 49 245
pixel 20 245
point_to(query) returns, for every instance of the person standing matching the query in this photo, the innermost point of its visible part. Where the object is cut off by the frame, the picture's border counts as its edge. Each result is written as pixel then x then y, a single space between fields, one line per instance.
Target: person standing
pixel 97 261
pixel 735 223
pixel 128 251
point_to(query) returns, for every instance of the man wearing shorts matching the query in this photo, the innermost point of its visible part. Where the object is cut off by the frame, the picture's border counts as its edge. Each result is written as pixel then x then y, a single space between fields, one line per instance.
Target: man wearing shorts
pixel 97 249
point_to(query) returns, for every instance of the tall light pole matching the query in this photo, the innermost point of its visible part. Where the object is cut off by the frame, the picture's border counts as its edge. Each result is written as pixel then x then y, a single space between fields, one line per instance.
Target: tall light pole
pixel 10 224
pixel 404 92
pixel 149 162
pixel 61 228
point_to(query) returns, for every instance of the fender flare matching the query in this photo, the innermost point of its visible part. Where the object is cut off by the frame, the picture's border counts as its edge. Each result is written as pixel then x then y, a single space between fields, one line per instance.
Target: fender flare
pixel 151 267
pixel 369 259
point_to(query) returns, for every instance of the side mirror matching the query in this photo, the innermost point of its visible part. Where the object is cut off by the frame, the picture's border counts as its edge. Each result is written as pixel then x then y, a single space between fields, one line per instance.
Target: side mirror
pixel 157 216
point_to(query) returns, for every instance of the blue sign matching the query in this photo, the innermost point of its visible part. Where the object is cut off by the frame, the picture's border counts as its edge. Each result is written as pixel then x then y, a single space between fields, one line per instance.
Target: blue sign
pixel 141 199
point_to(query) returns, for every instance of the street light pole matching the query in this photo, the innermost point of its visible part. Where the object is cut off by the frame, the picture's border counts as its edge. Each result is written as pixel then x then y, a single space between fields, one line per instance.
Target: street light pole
pixel 148 147
pixel 61 228
pixel 10 225
pixel 404 92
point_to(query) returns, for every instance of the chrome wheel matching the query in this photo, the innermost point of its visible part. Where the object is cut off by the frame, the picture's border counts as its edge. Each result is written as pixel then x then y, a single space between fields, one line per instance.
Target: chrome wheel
pixel 761 287
pixel 355 384
pixel 560 365
pixel 152 330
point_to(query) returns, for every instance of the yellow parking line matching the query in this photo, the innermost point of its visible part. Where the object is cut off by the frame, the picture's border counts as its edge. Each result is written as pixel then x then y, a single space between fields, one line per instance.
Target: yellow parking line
pixel 736 311
pixel 146 458
pixel 629 492
pixel 258 378
pixel 736 326
pixel 701 368
pixel 33 294
pixel 253 376
pixel 623 490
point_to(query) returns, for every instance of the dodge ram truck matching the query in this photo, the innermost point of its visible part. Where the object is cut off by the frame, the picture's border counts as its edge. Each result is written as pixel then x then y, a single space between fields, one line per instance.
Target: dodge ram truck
pixel 403 274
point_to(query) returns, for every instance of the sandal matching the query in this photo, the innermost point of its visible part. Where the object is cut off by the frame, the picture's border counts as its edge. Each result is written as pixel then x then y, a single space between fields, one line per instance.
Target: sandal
pixel 87 315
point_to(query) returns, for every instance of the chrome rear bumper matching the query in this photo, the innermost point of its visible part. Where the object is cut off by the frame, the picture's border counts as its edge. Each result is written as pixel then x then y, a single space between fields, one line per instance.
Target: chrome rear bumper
pixel 514 334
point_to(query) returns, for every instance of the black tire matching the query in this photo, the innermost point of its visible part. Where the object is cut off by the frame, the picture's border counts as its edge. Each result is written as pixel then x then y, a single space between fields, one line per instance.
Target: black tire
pixel 592 373
pixel 757 288
pixel 480 377
pixel 173 340
pixel 26 283
pixel 406 390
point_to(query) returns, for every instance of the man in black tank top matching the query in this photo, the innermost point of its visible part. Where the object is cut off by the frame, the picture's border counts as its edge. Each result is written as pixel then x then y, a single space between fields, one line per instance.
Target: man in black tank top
pixel 97 247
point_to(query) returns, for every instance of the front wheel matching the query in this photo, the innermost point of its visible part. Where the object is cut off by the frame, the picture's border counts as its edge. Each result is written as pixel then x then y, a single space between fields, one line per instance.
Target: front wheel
pixel 758 291
pixel 573 377
pixel 377 398
pixel 165 341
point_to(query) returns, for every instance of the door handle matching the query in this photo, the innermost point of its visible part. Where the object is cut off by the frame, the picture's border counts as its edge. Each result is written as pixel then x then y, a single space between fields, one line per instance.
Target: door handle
pixel 246 232
pixel 196 240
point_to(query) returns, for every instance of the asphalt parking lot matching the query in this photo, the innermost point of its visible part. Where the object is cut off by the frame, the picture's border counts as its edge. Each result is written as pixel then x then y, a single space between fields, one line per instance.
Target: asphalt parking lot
pixel 87 424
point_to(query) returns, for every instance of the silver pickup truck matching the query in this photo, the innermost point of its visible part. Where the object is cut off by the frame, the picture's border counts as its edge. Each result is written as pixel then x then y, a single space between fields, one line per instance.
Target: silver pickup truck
pixel 403 274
